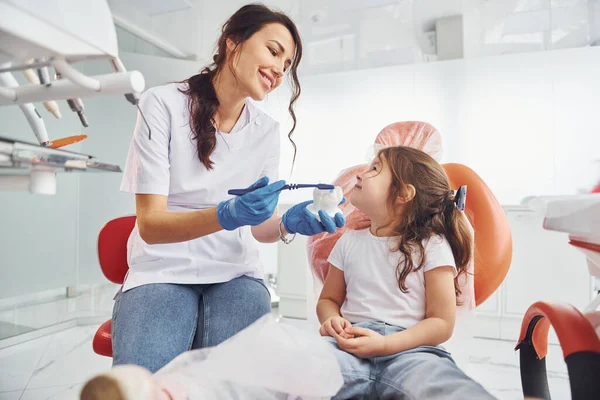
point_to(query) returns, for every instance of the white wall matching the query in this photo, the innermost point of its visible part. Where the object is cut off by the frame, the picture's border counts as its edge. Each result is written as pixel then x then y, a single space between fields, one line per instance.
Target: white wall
pixel 38 234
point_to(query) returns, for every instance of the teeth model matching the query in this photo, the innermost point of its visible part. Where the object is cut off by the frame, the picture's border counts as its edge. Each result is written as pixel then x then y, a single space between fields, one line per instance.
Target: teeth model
pixel 326 200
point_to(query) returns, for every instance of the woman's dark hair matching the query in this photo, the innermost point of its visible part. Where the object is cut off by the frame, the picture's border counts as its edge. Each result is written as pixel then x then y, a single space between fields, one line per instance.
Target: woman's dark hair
pixel 203 103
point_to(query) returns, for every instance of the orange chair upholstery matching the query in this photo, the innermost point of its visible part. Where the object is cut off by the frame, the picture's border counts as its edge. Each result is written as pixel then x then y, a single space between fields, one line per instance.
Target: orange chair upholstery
pixel 493 240
pixel 112 256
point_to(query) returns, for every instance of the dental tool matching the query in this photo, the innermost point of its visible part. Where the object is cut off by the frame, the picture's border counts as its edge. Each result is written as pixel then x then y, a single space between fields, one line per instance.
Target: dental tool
pixel 76 105
pixel 320 186
pixel 42 77
pixel 8 82
pixel 66 141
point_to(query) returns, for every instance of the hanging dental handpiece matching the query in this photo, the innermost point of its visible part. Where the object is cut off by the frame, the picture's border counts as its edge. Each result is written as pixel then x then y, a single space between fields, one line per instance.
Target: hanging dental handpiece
pixel 8 81
pixel 133 98
pixel 42 77
pixel 64 70
pixel 118 66
pixel 76 105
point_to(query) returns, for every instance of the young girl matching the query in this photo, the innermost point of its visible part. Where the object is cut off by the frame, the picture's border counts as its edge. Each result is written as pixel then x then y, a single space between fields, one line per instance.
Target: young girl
pixel 391 299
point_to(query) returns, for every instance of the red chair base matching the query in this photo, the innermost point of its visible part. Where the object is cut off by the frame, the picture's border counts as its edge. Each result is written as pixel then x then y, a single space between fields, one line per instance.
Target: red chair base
pixel 102 343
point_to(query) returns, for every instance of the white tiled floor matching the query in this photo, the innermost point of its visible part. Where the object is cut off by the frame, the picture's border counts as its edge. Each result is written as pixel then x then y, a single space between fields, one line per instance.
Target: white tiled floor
pixel 52 367
pixel 55 367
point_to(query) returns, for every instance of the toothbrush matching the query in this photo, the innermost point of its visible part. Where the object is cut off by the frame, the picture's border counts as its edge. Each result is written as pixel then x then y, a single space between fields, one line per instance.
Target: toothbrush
pixel 321 186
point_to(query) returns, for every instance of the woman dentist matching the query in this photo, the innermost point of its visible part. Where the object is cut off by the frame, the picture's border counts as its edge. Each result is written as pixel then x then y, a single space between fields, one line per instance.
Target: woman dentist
pixel 195 278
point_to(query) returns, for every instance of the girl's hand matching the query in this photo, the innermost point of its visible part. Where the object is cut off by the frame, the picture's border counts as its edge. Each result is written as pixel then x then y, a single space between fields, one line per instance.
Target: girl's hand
pixel 363 343
pixel 335 326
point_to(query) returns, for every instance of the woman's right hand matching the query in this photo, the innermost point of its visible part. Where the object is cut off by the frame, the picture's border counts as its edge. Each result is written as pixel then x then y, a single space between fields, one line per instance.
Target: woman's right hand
pixel 335 325
pixel 253 208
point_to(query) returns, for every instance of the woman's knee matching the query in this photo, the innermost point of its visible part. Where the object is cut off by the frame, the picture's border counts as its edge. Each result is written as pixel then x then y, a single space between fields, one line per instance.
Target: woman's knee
pixel 256 289
pixel 228 308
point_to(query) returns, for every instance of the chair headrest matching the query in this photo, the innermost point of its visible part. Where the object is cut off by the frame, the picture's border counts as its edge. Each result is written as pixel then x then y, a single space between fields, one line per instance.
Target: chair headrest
pixel 416 134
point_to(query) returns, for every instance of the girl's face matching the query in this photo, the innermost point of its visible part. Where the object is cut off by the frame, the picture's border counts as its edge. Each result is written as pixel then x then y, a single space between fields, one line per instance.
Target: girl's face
pixel 260 62
pixel 371 193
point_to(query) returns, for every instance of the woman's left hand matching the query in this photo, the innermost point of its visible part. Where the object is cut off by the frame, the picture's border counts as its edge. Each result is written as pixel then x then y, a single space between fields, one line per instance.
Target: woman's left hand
pixel 299 220
pixel 366 343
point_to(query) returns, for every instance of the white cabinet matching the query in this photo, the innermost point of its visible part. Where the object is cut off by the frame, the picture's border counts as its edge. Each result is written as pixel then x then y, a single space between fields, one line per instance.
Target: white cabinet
pixel 544 268
pixel 293 276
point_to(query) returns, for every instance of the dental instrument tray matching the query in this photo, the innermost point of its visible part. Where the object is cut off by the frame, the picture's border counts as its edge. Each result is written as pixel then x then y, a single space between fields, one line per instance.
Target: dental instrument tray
pixel 291 186
pixel 19 155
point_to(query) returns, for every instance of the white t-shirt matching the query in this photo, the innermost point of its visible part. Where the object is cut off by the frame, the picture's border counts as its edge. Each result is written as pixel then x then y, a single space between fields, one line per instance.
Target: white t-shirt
pixel 372 292
pixel 168 165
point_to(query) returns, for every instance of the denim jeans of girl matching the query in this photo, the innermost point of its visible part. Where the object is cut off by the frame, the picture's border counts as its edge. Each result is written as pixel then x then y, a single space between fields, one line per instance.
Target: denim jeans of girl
pixel 426 372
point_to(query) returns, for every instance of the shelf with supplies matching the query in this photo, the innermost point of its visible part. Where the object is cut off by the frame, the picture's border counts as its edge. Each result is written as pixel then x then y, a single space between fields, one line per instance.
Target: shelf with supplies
pixel 28 166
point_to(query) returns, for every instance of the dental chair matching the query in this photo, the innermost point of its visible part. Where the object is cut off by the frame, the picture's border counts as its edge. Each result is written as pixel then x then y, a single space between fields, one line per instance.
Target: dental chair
pixel 493 240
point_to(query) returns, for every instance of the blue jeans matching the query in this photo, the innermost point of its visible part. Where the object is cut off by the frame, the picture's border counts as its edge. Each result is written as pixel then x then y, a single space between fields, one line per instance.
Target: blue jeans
pixel 152 324
pixel 426 372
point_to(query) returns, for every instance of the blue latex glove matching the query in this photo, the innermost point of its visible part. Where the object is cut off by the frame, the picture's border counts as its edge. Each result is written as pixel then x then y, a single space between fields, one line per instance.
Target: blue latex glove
pixel 299 220
pixel 253 208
